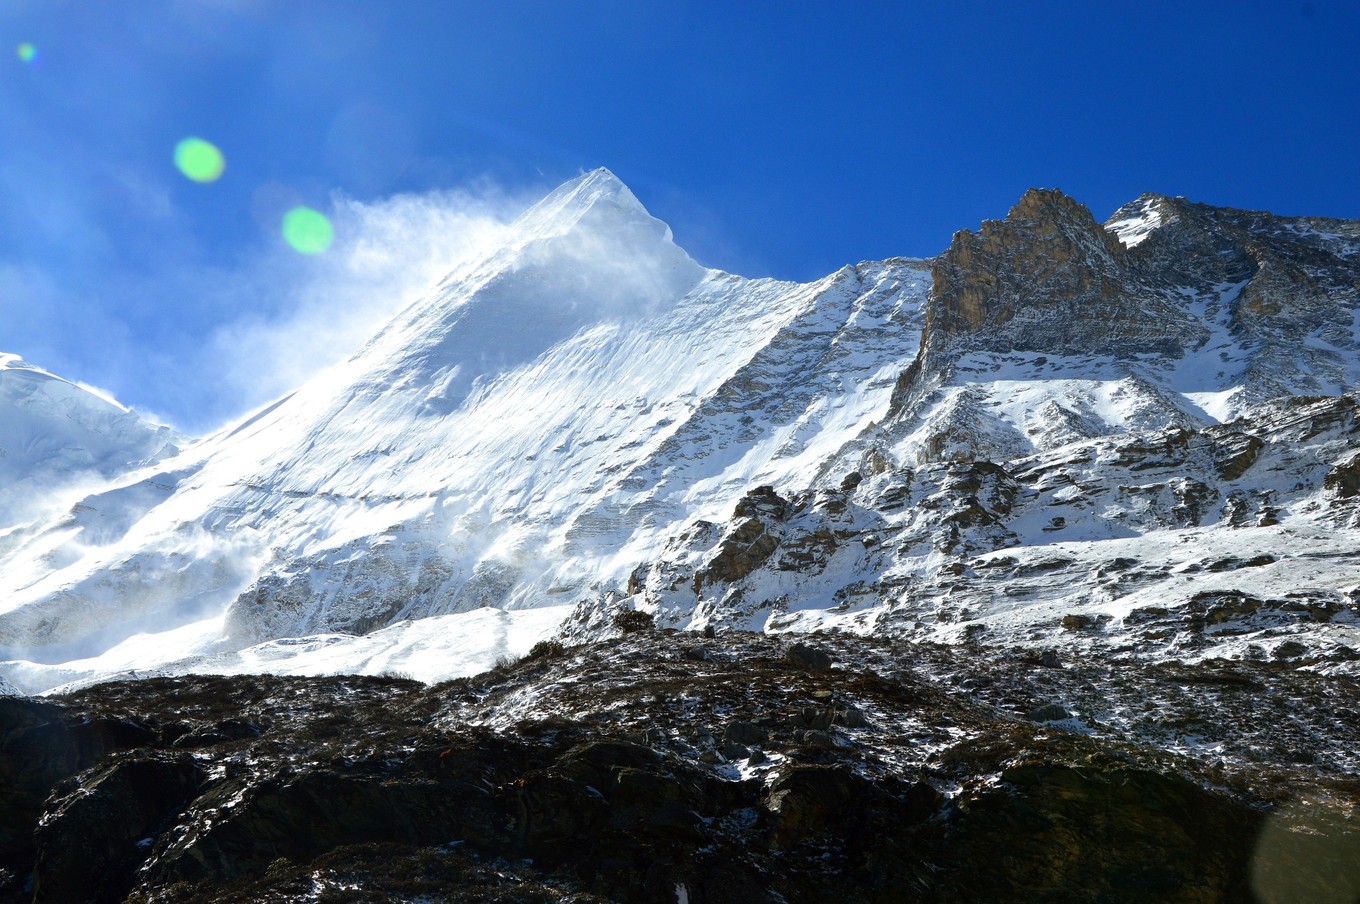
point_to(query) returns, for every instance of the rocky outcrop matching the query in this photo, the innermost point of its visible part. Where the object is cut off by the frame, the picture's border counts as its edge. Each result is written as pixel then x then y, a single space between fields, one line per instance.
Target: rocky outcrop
pixel 1344 479
pixel 42 746
pixel 95 832
pixel 1047 278
pixel 837 769
pixel 750 542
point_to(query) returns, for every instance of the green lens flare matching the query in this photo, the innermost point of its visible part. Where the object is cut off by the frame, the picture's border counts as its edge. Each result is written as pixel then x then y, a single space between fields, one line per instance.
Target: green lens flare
pixel 199 160
pixel 307 230
pixel 27 52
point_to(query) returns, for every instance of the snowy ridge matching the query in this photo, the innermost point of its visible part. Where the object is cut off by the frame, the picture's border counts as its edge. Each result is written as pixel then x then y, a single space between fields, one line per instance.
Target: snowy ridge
pixel 451 464
pixel 565 427
pixel 56 436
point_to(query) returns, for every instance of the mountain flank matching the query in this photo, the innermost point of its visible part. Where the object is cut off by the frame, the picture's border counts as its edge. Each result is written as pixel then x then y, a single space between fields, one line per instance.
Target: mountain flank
pixel 1027 572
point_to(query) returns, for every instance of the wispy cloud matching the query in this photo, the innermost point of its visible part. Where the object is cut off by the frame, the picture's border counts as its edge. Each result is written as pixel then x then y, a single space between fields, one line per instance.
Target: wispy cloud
pixel 194 343
pixel 386 254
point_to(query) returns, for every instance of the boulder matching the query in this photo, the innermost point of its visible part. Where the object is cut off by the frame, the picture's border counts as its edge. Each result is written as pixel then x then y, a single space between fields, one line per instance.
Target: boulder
pixel 808 657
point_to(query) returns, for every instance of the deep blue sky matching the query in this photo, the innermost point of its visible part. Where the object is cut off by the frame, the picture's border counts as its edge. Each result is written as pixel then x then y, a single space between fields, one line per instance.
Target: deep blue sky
pixel 778 138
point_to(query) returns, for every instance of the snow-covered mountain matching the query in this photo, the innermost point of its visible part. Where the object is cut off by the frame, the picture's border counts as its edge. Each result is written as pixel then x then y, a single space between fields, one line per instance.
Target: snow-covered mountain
pixel 585 420
pixel 57 437
pixel 1139 436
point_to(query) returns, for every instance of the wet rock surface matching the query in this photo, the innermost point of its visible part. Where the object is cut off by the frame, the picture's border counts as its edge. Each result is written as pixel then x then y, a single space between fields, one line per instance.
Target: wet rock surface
pixel 627 770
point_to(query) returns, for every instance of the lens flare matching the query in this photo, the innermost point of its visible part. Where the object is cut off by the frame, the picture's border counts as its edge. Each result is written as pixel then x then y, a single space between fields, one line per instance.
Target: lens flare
pixel 27 52
pixel 307 230
pixel 199 160
pixel 1307 851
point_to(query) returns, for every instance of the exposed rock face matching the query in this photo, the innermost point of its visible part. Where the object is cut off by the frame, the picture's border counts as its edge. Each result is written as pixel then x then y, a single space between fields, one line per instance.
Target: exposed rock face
pixel 1047 278
pixel 39 747
pixel 93 838
pixel 1344 479
pixel 751 542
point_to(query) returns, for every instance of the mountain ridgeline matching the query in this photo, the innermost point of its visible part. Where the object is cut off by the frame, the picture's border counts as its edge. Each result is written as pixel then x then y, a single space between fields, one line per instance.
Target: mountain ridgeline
pixel 1136 437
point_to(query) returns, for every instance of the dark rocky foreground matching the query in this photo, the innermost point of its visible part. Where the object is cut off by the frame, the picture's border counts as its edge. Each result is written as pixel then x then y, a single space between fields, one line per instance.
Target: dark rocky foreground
pixel 673 768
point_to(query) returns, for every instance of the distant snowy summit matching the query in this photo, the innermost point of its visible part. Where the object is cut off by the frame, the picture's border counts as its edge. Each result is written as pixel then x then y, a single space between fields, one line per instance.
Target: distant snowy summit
pixel 1046 433
pixel 57 436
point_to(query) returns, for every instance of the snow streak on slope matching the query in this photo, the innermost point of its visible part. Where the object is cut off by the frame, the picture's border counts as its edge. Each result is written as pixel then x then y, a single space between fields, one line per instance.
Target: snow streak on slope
pixel 431 649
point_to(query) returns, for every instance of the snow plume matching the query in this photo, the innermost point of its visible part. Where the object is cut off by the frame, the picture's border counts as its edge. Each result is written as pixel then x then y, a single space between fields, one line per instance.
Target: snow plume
pixel 387 253
pixel 169 599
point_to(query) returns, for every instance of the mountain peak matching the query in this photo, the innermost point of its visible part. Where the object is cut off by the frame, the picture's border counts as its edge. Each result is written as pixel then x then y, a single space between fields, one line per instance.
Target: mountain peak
pixel 596 185
pixel 597 190
pixel 1052 208
pixel 601 177
pixel 1036 199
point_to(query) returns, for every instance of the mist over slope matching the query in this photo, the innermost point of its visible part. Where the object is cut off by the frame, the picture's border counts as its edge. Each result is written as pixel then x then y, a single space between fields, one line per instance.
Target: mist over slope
pixel 1049 429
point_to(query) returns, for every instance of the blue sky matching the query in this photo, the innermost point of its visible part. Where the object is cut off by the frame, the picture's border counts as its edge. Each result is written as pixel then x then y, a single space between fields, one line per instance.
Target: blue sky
pixel 779 138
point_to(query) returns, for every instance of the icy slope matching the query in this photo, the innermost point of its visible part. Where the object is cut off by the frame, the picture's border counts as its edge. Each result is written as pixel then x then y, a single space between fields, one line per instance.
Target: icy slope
pixel 56 436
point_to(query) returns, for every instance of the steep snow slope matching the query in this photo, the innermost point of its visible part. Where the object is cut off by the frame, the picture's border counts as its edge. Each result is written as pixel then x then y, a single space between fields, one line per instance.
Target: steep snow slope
pixel 507 441
pixel 585 420
pixel 56 436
